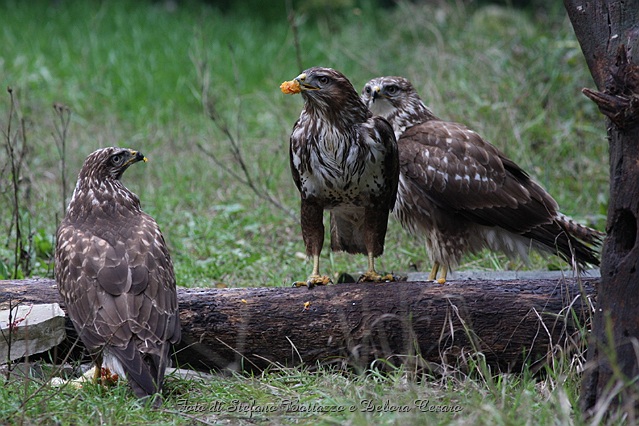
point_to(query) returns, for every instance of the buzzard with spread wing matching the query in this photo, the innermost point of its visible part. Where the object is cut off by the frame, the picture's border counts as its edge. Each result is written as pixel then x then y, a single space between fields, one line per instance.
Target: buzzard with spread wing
pixel 345 161
pixel 462 194
pixel 115 275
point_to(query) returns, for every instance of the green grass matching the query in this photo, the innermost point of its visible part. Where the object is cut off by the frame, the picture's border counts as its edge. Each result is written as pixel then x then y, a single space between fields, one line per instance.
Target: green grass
pixel 300 396
pixel 137 74
pixel 133 75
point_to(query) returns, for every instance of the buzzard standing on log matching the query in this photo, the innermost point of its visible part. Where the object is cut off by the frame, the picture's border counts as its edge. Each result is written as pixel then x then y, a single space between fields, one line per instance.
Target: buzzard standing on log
pixel 115 275
pixel 462 194
pixel 345 161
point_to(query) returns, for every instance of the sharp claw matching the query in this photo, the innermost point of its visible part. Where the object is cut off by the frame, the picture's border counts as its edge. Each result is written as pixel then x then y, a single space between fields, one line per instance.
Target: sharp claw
pixel 324 280
pixel 372 276
pixel 389 278
pixel 313 281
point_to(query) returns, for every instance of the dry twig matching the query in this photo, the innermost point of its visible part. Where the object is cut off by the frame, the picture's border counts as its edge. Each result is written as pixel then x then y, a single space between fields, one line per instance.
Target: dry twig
pixel 244 176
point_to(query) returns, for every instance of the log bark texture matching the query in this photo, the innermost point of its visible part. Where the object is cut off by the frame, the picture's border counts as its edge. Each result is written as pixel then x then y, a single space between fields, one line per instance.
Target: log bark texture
pixel 609 37
pixel 512 323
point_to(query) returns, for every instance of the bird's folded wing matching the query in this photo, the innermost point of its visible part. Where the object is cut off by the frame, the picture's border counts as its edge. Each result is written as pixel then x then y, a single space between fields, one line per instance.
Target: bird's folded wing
pixel 453 167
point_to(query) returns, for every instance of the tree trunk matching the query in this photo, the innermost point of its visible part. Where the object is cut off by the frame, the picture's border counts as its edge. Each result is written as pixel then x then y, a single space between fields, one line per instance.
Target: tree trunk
pixel 608 33
pixel 512 323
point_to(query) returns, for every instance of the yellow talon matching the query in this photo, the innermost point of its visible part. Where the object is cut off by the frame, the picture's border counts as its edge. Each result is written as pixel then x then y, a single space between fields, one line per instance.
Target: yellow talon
pixel 442 276
pixel 372 275
pixel 314 280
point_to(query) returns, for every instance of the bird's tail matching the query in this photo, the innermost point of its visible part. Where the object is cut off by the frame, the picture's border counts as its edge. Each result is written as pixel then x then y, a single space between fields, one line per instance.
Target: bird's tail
pixel 577 244
pixel 582 232
pixel 144 371
pixel 346 235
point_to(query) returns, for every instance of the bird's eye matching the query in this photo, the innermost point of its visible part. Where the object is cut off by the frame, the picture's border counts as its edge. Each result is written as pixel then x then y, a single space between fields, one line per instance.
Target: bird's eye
pixel 392 89
pixel 367 89
pixel 117 159
pixel 323 80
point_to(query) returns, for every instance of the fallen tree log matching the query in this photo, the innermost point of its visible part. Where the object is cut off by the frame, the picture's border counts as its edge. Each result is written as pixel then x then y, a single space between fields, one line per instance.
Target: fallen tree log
pixel 512 323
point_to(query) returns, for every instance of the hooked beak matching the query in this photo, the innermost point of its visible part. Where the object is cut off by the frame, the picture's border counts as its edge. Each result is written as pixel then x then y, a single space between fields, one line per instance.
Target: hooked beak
pixel 377 92
pixel 136 156
pixel 301 79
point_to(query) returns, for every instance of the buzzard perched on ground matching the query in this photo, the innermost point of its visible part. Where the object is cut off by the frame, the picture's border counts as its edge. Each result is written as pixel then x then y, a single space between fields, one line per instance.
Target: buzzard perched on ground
pixel 345 161
pixel 115 275
pixel 462 194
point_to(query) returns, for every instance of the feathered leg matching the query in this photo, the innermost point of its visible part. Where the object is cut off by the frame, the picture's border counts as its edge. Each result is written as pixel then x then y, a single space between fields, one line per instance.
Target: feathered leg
pixel 312 221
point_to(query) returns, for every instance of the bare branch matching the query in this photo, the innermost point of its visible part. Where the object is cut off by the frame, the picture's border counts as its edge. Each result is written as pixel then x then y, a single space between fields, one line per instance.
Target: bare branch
pixel 292 21
pixel 63 114
pixel 245 176
pixel 16 148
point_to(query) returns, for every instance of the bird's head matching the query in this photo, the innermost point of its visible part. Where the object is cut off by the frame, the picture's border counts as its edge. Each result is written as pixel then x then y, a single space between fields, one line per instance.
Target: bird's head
pixel 109 163
pixel 395 99
pixel 328 92
pixel 385 95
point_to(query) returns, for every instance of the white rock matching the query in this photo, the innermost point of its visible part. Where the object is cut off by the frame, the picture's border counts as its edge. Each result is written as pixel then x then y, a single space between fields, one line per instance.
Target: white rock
pixel 30 329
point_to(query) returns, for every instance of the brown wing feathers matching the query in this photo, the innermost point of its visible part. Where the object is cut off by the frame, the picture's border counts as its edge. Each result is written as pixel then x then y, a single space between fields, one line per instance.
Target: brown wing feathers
pixel 454 181
pixel 115 274
pixel 502 194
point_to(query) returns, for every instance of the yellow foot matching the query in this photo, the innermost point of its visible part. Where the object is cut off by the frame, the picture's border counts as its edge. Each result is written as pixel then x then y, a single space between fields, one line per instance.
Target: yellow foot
pixel 433 273
pixel 313 280
pixel 374 277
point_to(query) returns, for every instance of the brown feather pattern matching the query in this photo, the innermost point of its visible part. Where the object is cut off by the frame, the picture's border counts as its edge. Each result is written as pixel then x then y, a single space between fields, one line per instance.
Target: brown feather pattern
pixel 115 274
pixel 463 194
pixel 345 161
